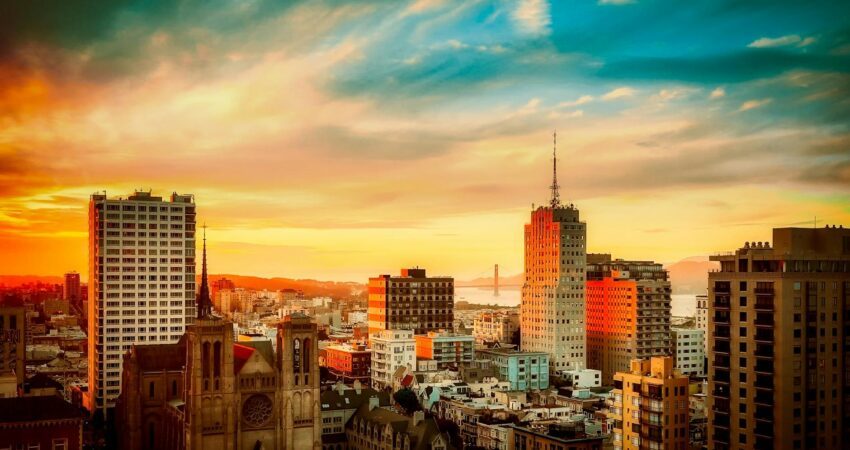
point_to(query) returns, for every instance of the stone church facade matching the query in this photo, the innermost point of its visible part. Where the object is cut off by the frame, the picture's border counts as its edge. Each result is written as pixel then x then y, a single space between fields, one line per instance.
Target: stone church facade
pixel 208 392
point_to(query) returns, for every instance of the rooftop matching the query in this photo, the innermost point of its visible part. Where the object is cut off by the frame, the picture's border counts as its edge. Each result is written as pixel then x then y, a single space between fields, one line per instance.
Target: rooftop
pixel 30 409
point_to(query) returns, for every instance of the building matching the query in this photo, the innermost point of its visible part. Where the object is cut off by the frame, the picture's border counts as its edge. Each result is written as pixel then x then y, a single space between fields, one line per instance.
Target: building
pixel 649 406
pixel 377 428
pixel 412 301
pixel 13 345
pixel 552 306
pixel 628 313
pixel 391 349
pixel 778 323
pixel 688 350
pixel 56 306
pixel 141 281
pixel 701 319
pixel 447 349
pixel 349 363
pixel 40 422
pixel 339 405
pixel 524 370
pixel 567 435
pixel 583 379
pixel 206 391
pixel 72 290
pixel 498 326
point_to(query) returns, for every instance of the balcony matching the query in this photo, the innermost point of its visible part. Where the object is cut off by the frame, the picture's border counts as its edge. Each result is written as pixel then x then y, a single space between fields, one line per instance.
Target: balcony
pixel 764 351
pixel 764 320
pixel 721 420
pixel 721 361
pixel 764 290
pixel 764 335
pixel 764 413
pixel 721 347
pixel 721 332
pixel 722 302
pixel 652 406
pixel 764 429
pixel 763 397
pixel 764 366
pixel 764 304
pixel 721 317
pixel 764 382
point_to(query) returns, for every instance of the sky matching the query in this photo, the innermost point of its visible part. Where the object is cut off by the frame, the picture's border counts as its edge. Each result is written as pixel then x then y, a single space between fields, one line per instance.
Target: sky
pixel 343 139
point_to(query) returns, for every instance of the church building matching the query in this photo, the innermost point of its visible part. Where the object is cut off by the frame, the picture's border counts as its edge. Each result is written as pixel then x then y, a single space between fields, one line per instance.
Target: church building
pixel 209 392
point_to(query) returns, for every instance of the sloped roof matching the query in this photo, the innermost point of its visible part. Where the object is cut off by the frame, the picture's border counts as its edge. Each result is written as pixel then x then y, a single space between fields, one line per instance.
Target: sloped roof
pixel 157 357
pixel 28 409
pixel 42 381
pixel 241 355
pixel 264 347
pixel 350 399
pixel 421 436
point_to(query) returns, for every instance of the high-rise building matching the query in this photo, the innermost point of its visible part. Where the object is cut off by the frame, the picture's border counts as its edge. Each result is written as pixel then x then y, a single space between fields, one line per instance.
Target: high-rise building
pixel 141 281
pixel 552 309
pixel 71 291
pixel 412 301
pixel 779 323
pixel 628 313
pixel 391 349
pixel 649 406
pixel 12 349
pixel 702 319
pixel 688 351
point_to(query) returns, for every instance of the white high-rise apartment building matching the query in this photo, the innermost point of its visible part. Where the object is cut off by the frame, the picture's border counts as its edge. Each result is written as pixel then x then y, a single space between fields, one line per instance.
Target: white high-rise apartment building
pixel 141 281
pixel 688 351
pixel 391 349
pixel 552 312
pixel 702 319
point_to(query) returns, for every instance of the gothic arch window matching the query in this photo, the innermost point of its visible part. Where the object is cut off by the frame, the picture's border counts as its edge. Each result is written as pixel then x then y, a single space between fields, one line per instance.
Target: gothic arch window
pixel 205 364
pixel 217 363
pixel 306 358
pixel 151 390
pixel 151 435
pixel 217 359
pixel 307 405
pixel 296 406
pixel 296 358
pixel 174 388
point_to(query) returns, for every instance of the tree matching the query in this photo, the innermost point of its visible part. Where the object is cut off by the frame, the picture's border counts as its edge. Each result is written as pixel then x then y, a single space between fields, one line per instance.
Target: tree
pixel 407 399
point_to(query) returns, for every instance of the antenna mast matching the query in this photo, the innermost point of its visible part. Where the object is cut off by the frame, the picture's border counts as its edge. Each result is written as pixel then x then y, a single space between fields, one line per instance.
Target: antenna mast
pixel 556 197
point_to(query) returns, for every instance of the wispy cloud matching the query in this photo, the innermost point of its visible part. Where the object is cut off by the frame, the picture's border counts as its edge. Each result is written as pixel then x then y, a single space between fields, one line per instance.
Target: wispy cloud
pixel 718 92
pixel 616 2
pixel 584 99
pixel 620 92
pixel 781 41
pixel 533 16
pixel 753 104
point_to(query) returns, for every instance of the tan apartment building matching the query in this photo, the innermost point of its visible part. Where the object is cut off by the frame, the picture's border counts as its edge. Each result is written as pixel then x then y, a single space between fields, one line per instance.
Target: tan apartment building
pixel 649 405
pixel 779 324
pixel 411 301
pixel 628 313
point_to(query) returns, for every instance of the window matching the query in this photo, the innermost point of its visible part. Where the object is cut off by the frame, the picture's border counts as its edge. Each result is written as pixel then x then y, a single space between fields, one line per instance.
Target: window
pixel 151 390
pixel 60 444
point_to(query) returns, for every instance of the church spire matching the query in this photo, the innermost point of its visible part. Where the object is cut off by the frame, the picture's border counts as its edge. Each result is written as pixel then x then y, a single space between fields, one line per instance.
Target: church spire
pixel 203 300
pixel 556 196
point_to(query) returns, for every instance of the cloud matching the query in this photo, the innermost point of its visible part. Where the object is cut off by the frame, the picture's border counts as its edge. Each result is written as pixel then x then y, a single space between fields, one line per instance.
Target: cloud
pixel 775 42
pixel 753 104
pixel 579 101
pixel 533 17
pixel 616 2
pixel 807 41
pixel 718 92
pixel 620 92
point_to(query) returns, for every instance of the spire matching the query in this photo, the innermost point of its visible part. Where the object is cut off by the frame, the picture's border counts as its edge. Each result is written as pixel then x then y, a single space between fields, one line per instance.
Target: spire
pixel 556 197
pixel 203 300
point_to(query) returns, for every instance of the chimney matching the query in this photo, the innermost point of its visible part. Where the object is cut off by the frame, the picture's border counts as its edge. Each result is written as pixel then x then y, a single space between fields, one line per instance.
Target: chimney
pixel 358 387
pixel 418 417
pixel 373 402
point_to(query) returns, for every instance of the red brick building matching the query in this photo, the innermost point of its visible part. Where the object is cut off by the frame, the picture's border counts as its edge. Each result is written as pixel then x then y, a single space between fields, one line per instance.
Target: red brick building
pixel 349 363
pixel 46 423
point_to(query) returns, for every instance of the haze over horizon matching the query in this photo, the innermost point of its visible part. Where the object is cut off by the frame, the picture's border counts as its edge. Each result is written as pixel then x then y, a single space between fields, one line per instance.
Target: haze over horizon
pixel 338 140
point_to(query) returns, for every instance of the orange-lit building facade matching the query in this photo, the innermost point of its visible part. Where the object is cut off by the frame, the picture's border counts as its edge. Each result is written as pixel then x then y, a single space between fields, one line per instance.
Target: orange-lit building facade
pixel 448 349
pixel 552 312
pixel 649 406
pixel 411 301
pixel 628 313
pixel 349 363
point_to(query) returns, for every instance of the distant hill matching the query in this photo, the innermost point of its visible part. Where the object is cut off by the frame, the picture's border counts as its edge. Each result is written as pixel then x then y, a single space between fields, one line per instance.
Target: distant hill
pixel 690 275
pixel 17 280
pixel 311 288
pixel 510 280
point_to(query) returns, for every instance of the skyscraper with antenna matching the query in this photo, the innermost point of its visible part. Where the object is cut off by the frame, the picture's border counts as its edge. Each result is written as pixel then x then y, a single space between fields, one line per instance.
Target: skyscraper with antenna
pixel 553 298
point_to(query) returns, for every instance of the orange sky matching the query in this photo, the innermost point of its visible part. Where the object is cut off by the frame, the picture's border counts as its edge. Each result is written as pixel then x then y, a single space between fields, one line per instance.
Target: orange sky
pixel 339 142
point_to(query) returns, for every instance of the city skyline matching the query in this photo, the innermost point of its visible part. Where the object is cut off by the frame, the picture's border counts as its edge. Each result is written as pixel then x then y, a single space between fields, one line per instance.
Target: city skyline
pixel 314 133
